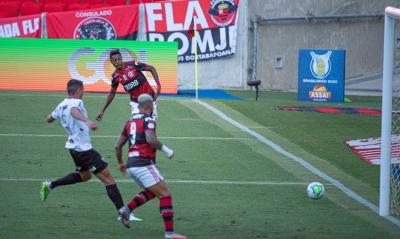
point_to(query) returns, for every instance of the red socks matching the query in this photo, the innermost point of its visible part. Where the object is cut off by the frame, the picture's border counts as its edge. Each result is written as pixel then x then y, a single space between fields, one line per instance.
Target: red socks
pixel 166 210
pixel 167 213
pixel 140 199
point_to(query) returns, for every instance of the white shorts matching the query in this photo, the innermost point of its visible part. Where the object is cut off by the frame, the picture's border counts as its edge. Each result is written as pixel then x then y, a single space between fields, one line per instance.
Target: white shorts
pixel 135 109
pixel 146 176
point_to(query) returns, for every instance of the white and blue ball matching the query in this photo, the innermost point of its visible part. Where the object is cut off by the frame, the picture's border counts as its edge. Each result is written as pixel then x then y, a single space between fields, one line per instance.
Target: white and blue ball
pixel 315 190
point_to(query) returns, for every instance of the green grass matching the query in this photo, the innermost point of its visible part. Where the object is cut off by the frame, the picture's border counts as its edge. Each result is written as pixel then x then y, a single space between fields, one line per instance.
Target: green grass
pixel 202 210
pixel 318 133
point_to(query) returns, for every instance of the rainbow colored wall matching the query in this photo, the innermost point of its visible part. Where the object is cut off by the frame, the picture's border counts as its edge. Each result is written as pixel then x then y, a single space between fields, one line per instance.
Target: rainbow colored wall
pixel 47 64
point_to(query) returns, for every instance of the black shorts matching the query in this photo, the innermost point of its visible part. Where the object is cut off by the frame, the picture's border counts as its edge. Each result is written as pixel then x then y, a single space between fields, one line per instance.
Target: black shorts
pixel 88 160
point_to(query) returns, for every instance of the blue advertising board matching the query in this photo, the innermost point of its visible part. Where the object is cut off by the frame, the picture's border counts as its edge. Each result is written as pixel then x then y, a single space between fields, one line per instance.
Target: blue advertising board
pixel 321 75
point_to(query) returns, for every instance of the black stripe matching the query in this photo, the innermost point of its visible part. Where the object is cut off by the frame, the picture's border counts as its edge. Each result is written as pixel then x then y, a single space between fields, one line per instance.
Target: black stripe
pixel 138 203
pixel 144 196
pixel 167 219
pixel 165 208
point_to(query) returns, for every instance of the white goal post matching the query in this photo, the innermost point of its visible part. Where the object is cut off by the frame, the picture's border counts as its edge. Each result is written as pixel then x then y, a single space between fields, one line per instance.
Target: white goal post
pixel 391 14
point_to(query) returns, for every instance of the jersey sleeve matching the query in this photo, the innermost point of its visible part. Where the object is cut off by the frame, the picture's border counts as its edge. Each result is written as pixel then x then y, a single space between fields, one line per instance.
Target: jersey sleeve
pixel 77 104
pixel 114 80
pixel 149 124
pixel 140 66
pixel 56 113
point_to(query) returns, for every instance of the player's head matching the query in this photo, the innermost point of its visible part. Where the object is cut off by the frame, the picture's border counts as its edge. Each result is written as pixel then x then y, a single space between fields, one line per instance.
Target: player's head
pixel 116 59
pixel 75 88
pixel 145 102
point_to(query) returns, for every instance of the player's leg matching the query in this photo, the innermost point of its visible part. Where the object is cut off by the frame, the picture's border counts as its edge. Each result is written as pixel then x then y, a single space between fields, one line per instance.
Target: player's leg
pixel 72 178
pixel 166 209
pixel 82 174
pixel 100 169
pixel 142 176
pixel 111 187
pixel 150 178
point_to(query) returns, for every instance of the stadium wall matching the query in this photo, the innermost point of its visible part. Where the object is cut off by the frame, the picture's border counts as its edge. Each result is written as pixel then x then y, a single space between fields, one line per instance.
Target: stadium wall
pixel 362 39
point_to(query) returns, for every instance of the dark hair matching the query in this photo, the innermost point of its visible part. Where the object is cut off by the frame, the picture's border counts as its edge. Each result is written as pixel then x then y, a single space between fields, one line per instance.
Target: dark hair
pixel 114 52
pixel 73 85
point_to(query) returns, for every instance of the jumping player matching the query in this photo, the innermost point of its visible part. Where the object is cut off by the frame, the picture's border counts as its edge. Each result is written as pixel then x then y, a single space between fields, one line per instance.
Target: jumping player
pixel 140 131
pixel 73 118
pixel 129 75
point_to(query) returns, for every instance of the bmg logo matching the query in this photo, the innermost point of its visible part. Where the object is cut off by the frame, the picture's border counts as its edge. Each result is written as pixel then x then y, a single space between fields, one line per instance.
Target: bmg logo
pixel 83 64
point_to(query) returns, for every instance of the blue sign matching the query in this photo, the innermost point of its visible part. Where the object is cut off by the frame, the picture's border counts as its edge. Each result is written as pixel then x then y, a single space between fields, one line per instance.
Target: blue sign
pixel 321 75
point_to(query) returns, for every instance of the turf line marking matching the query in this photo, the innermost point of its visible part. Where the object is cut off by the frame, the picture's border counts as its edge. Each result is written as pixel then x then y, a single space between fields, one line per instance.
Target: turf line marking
pixel 116 136
pixel 299 160
pixel 180 181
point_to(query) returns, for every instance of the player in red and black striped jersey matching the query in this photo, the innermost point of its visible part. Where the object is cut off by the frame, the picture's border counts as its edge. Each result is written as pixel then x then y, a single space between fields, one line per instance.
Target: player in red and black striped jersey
pixel 129 75
pixel 140 152
pixel 140 131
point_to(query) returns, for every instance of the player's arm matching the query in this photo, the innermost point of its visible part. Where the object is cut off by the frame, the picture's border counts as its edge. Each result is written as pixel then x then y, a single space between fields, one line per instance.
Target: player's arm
pixel 153 71
pixel 76 113
pixel 109 99
pixel 53 116
pixel 118 151
pixel 152 139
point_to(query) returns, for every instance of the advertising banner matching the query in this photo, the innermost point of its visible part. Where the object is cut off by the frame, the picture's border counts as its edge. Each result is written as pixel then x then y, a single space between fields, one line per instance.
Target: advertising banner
pixel 23 27
pixel 216 24
pixel 48 64
pixel 112 23
pixel 321 75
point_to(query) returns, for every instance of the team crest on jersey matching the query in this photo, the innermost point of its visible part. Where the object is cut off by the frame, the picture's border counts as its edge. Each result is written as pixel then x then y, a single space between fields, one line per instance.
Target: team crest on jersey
pixel 222 12
pixel 131 74
pixel 95 28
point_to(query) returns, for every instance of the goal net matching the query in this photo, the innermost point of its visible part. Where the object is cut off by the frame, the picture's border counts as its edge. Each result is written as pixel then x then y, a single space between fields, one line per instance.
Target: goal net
pixel 395 164
pixel 390 152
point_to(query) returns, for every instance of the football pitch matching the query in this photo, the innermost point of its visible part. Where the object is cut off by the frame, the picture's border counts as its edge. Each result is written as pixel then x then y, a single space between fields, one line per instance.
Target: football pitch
pixel 226 184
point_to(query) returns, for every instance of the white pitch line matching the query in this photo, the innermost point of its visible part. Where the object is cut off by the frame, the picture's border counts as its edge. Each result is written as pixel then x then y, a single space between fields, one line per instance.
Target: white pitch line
pixel 116 136
pixel 299 160
pixel 181 181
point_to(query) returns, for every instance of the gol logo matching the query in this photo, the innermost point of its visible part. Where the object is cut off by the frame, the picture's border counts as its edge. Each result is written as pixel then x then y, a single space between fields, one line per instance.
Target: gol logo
pixel 92 71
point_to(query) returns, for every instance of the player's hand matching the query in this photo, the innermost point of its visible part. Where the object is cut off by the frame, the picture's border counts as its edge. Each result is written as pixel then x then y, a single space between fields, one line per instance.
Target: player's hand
pixel 99 116
pixel 92 125
pixel 122 168
pixel 50 119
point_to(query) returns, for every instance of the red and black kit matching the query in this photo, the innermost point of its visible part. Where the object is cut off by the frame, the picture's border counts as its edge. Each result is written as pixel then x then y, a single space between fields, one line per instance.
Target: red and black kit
pixel 140 152
pixel 132 79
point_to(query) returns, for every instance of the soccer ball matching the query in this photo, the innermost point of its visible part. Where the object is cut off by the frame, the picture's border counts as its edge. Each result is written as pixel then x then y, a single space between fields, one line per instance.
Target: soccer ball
pixel 315 190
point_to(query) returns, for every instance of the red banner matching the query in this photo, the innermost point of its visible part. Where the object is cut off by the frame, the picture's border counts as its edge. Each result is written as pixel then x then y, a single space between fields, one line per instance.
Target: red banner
pixel 24 27
pixel 216 24
pixel 110 23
